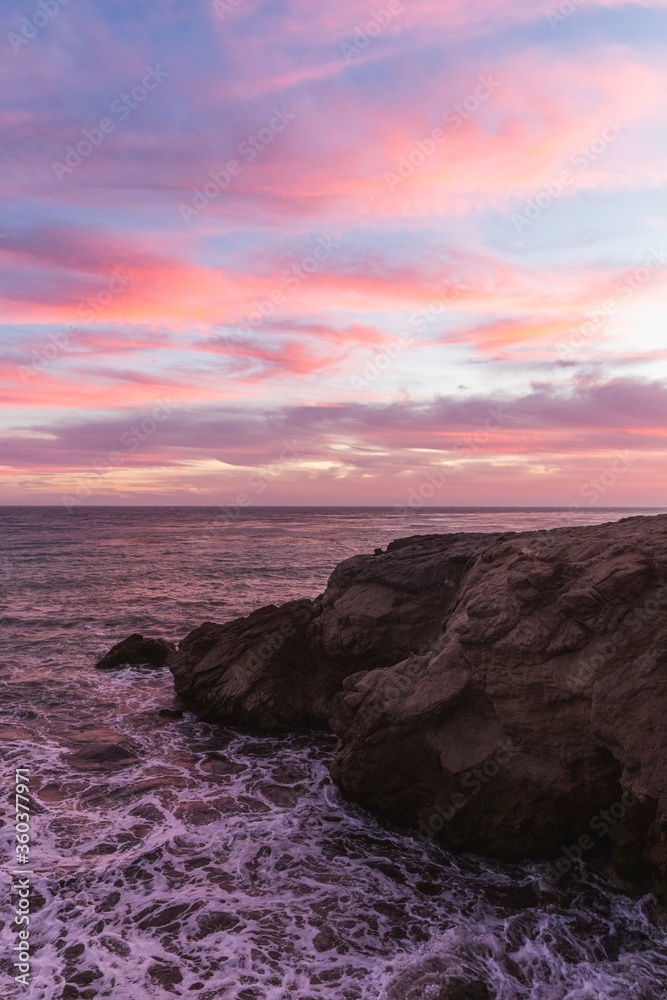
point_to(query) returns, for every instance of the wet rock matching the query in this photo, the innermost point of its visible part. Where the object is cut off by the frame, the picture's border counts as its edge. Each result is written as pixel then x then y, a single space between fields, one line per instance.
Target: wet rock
pixel 170 713
pixel 476 990
pixel 194 863
pixel 214 922
pixel 282 796
pixel 197 813
pixel 324 940
pixel 103 756
pixel 288 774
pixel 432 978
pixel 512 897
pixel 74 951
pixel 136 650
pixel 217 764
pixel 149 812
pixel 502 692
pixel 165 975
pixel 164 917
pixel 85 978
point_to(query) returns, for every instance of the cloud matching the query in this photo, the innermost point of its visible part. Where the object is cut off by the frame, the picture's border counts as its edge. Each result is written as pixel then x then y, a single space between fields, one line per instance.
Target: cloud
pixel 584 416
pixel 211 316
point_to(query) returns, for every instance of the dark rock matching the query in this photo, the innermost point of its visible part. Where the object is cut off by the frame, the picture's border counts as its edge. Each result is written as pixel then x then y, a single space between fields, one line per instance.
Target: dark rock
pixel 165 975
pixel 432 977
pixel 83 978
pixel 164 917
pixel 74 951
pixel 197 813
pixel 324 940
pixel 220 765
pixel 261 670
pixel 476 990
pixel 149 812
pixel 215 921
pixel 504 692
pixel 170 713
pixel 279 795
pixel 136 649
pixel 116 945
pixel 113 754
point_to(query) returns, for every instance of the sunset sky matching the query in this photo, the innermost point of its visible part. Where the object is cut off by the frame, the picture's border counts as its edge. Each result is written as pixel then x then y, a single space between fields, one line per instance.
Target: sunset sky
pixel 302 252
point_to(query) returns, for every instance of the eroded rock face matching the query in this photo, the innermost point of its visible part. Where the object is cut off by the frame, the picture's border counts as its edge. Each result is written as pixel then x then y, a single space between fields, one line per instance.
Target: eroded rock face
pixel 507 693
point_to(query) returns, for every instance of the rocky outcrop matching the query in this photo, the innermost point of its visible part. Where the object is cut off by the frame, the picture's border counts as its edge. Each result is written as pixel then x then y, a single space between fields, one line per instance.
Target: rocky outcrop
pixel 136 650
pixel 506 693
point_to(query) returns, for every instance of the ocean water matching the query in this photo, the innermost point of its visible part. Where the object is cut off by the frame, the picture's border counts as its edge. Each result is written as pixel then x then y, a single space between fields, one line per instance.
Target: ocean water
pixel 177 858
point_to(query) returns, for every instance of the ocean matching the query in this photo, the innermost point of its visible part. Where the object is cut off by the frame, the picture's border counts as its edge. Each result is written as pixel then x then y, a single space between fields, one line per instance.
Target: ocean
pixel 177 858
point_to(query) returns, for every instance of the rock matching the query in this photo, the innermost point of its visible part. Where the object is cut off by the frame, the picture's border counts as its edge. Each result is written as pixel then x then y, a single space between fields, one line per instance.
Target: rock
pixel 198 813
pixel 215 921
pixel 136 650
pixel 116 945
pixel 506 693
pixel 254 672
pixel 476 990
pixel 170 713
pixel 432 977
pixel 324 940
pixel 103 756
pixel 74 951
pixel 165 975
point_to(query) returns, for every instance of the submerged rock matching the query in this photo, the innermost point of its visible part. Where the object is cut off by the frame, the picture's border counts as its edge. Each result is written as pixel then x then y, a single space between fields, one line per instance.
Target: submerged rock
pixel 99 757
pixel 504 692
pixel 136 650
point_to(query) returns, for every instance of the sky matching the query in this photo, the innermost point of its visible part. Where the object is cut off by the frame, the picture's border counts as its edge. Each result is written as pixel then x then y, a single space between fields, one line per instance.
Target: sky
pixel 290 252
